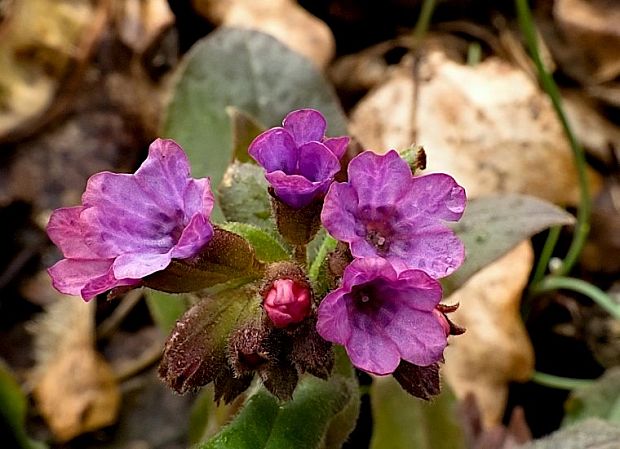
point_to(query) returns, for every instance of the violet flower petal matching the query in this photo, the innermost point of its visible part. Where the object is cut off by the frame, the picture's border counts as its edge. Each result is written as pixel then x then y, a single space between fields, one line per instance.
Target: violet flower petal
pixel 64 229
pixel 333 319
pixel 381 316
pixel 130 226
pixel 195 235
pixel 383 211
pixel 439 195
pixel 275 149
pixel 295 190
pixel 337 145
pixel 339 212
pixel 369 348
pixel 71 276
pixel 317 162
pixel 305 125
pixel 298 149
pixel 139 265
pixel 379 180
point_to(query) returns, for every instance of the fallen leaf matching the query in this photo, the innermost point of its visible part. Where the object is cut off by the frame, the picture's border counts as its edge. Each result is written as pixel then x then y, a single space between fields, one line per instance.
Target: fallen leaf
pixel 283 19
pixel 602 250
pixel 496 437
pixel 488 125
pixel 74 387
pixel 43 45
pixel 597 134
pixel 494 224
pixel 590 27
pixel 495 350
pixel 140 22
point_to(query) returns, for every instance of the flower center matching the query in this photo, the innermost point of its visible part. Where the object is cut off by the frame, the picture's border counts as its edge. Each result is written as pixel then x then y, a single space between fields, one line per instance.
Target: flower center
pixel 366 297
pixel 378 227
pixel 378 234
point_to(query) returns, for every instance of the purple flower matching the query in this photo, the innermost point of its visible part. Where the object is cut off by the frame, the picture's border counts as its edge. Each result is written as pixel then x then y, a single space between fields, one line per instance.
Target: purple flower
pixel 130 226
pixel 383 211
pixel 381 317
pixel 299 161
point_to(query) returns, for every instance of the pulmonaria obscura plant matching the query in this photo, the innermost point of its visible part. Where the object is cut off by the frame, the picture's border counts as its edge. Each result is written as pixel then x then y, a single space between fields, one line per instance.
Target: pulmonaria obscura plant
pixel 261 308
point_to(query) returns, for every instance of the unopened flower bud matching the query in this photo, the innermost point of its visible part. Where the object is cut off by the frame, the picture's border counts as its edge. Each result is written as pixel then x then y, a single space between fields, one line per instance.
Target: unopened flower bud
pixel 287 302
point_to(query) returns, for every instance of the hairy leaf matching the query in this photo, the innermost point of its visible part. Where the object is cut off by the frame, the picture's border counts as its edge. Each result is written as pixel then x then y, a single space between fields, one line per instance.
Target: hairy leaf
pixel 493 225
pixel 254 73
pixel 401 421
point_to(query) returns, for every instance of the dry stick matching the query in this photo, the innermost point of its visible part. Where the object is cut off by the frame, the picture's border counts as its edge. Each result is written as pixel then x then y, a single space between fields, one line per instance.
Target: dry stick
pixel 110 324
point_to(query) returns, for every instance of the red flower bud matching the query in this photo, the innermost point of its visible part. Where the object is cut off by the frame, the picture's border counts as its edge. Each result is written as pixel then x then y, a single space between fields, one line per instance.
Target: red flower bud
pixel 287 302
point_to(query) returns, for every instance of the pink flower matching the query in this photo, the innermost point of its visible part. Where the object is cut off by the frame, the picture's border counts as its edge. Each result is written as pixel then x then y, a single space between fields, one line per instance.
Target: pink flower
pixel 382 317
pixel 130 226
pixel 384 211
pixel 299 161
pixel 287 302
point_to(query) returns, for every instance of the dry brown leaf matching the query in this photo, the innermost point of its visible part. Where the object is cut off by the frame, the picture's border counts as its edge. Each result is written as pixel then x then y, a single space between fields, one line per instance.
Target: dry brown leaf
pixel 593 130
pixel 283 19
pixel 495 350
pixel 74 387
pixel 489 126
pixel 41 43
pixel 592 28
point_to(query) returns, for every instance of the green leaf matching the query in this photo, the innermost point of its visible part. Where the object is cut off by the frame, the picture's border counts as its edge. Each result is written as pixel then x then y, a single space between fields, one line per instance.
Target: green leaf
pixel 243 195
pixel 207 417
pixel 301 423
pixel 251 427
pixel 165 308
pixel 327 244
pixel 401 421
pixel 13 407
pixel 244 129
pixel 601 399
pixel 589 434
pixel 267 247
pixel 196 352
pixel 493 225
pixel 251 71
pixel 343 423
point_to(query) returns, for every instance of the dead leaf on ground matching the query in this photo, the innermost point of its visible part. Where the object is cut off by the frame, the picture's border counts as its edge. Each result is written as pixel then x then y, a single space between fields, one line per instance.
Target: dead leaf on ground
pixel 602 250
pixel 597 134
pixel 489 126
pixel 478 436
pixel 283 19
pixel 591 32
pixel 42 44
pixel 495 350
pixel 140 22
pixel 74 387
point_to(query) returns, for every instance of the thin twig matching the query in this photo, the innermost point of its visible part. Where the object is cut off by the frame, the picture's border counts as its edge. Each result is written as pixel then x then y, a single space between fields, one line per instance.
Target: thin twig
pixel 126 305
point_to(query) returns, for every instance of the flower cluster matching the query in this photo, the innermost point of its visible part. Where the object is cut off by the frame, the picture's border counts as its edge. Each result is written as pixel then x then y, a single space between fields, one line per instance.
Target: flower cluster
pixel 385 309
pixel 377 294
